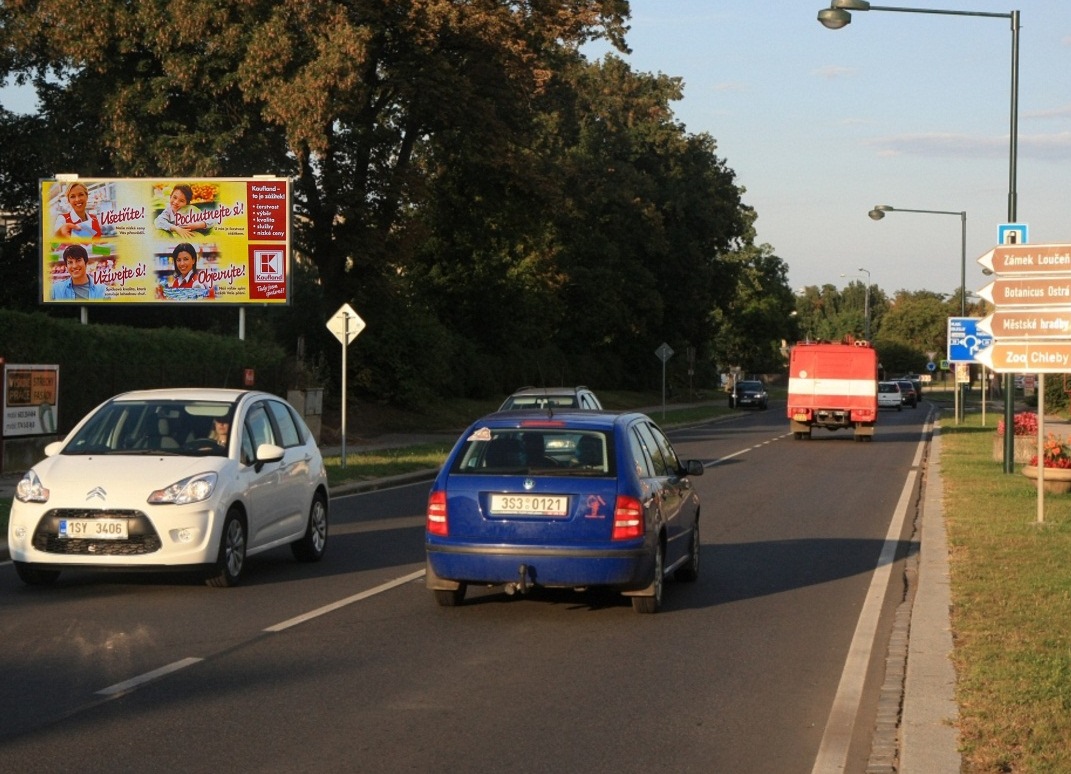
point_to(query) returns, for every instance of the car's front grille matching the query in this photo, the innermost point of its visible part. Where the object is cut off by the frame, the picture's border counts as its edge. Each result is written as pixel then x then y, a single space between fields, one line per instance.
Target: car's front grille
pixel 142 537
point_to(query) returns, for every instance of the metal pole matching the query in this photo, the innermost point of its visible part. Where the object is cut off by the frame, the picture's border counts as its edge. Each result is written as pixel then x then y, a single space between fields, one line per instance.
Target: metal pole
pixel 345 346
pixel 1009 379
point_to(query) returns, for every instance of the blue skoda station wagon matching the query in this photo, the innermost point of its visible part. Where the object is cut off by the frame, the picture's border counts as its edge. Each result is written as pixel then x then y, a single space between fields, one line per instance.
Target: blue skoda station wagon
pixel 568 499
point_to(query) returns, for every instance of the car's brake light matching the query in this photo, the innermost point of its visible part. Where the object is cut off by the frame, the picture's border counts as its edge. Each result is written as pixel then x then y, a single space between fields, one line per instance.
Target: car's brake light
pixel 542 423
pixel 437 524
pixel 628 518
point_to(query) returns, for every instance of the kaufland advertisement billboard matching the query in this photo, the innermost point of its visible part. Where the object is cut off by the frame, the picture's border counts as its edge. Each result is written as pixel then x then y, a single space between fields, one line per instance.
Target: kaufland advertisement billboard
pixel 165 241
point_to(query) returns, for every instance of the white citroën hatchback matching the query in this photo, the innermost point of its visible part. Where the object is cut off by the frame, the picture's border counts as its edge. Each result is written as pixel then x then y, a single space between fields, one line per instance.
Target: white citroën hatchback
pixel 175 479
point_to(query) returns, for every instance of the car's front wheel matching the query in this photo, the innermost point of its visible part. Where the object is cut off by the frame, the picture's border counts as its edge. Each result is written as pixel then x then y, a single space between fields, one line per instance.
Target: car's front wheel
pixel 311 546
pixel 34 576
pixel 232 546
pixel 652 603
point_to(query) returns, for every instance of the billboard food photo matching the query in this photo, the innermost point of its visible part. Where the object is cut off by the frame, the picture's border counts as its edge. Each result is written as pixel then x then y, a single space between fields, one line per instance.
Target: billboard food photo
pixel 148 241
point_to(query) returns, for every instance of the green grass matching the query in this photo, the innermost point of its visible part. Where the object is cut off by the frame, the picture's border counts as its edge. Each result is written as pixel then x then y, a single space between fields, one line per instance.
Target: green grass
pixel 1011 616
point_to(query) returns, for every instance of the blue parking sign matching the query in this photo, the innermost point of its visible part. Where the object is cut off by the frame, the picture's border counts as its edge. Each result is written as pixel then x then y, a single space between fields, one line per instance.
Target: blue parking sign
pixel 964 340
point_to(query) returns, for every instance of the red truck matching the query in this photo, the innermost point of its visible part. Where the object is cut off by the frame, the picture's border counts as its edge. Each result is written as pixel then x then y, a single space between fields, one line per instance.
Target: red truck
pixel 833 385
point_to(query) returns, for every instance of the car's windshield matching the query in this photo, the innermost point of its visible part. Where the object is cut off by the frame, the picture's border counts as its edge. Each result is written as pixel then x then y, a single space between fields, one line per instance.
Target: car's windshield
pixel 540 401
pixel 536 451
pixel 750 386
pixel 153 427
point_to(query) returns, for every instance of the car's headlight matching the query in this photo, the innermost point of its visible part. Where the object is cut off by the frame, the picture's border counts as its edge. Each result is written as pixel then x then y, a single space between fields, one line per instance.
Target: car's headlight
pixel 30 489
pixel 189 490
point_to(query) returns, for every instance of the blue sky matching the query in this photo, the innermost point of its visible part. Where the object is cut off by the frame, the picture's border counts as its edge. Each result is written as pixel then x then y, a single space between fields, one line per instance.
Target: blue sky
pixel 906 109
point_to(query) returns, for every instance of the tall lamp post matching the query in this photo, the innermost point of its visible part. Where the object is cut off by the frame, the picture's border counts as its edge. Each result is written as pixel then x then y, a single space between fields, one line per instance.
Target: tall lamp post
pixel 839 15
pixel 866 302
pixel 879 212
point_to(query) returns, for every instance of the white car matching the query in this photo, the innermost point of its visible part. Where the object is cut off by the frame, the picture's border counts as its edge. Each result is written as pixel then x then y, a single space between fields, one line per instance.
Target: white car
pixel 156 480
pixel 889 396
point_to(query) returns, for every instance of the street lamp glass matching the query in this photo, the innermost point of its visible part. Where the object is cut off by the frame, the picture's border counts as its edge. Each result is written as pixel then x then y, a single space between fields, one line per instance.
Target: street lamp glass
pixel 834 19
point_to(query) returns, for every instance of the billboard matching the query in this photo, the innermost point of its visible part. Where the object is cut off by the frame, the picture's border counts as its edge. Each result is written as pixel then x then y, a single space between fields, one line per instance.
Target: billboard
pixel 31 399
pixel 165 241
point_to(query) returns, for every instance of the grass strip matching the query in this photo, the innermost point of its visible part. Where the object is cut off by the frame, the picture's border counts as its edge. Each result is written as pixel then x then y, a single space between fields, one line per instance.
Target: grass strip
pixel 1011 609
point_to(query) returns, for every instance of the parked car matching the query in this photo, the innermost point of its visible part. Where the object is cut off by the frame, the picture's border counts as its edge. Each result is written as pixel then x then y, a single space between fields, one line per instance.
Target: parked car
pixel 551 397
pixel 889 396
pixel 571 499
pixel 174 479
pixel 748 393
pixel 908 394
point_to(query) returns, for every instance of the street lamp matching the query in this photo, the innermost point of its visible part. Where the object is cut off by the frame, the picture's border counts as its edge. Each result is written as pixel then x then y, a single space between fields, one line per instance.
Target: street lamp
pixel 866 303
pixel 879 212
pixel 839 15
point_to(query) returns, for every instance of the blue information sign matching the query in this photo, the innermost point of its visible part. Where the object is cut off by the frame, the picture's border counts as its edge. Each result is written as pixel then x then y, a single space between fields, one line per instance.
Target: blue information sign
pixel 964 339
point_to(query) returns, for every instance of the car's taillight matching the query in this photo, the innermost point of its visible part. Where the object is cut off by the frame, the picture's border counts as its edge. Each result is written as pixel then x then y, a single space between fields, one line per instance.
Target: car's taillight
pixel 628 518
pixel 437 514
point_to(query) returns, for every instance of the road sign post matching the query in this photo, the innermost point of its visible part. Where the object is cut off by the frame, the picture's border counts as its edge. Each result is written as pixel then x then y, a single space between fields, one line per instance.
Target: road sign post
pixel 345 324
pixel 664 353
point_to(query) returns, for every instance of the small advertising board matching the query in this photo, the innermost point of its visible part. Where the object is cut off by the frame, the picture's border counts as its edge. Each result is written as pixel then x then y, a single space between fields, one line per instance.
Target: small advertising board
pixel 223 241
pixel 31 395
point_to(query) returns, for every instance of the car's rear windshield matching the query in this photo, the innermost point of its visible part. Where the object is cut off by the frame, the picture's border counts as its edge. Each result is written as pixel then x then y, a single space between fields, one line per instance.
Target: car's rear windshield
pixel 150 426
pixel 536 451
pixel 518 402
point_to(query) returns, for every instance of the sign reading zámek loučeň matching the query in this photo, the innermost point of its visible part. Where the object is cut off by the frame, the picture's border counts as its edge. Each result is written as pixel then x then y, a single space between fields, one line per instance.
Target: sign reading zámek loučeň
pixel 165 241
pixel 31 395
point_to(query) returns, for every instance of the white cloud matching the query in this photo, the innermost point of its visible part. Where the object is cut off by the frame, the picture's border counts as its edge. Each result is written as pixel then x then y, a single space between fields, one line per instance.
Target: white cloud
pixel 830 72
pixel 950 145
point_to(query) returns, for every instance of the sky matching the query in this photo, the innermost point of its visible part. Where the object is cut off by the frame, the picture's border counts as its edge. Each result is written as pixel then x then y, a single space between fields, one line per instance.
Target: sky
pixel 907 109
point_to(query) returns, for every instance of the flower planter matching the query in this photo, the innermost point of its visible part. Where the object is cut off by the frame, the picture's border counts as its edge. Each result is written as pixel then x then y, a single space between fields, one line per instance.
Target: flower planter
pixel 1026 446
pixel 1057 480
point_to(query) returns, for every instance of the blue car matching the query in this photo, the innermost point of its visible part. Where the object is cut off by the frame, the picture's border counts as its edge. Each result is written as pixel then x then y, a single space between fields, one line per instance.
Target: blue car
pixel 568 499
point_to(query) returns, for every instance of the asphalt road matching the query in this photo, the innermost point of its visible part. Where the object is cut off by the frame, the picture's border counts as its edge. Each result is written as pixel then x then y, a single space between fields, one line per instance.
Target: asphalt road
pixel 349 665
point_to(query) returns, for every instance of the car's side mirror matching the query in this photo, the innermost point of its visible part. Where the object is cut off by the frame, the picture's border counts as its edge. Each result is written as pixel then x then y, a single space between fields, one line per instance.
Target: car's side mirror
pixel 268 452
pixel 694 467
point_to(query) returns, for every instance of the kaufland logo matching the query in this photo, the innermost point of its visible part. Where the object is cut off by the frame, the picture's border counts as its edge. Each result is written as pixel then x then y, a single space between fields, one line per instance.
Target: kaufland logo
pixel 268 266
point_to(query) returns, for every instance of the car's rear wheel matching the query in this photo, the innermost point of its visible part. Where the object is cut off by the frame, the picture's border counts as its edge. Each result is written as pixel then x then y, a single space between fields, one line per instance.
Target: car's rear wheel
pixel 34 576
pixel 311 546
pixel 652 603
pixel 450 597
pixel 232 546
pixel 689 571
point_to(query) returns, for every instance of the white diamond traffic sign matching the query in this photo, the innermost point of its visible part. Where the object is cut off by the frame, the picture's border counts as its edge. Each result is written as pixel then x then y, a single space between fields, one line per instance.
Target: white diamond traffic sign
pixel 345 324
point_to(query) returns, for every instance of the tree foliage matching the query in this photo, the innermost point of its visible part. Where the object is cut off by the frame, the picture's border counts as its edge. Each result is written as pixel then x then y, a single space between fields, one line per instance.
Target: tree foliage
pixel 499 208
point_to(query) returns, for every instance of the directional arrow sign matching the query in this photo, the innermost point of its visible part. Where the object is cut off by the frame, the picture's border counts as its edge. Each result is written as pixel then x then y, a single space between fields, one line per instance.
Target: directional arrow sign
pixel 1035 291
pixel 1047 357
pixel 1027 259
pixel 1028 324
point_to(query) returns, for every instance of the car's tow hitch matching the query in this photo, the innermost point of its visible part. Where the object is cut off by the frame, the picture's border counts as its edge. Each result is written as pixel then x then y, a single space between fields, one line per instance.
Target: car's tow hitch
pixel 522 583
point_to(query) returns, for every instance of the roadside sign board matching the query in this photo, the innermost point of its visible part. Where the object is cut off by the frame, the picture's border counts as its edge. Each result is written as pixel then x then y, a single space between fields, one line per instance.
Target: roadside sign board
pixel 1027 259
pixel 1029 291
pixel 1006 324
pixel 345 324
pixel 1047 357
pixel 664 352
pixel 964 339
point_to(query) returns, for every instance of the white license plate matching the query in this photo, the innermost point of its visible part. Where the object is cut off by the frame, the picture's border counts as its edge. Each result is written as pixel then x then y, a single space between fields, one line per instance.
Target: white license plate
pixel 93 529
pixel 529 505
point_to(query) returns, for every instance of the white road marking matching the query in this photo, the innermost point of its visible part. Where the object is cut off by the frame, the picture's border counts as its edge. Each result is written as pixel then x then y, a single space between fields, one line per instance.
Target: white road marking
pixel 134 682
pixel 833 752
pixel 347 601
